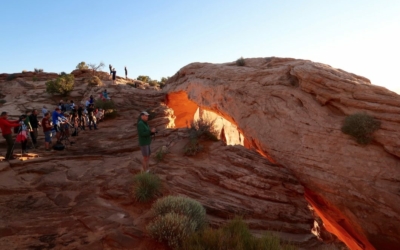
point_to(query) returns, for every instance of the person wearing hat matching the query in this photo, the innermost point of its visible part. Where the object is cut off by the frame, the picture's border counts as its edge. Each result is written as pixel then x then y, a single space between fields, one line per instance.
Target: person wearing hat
pixel 145 133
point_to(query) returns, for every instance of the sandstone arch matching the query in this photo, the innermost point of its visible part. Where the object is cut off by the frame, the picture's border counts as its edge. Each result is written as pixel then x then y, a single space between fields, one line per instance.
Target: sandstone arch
pixel 354 188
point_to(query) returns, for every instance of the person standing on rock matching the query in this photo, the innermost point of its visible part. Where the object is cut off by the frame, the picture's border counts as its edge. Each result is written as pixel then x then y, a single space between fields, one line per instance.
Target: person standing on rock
pixel 145 133
pixel 34 124
pixel 47 131
pixel 126 73
pixel 114 73
pixel 6 126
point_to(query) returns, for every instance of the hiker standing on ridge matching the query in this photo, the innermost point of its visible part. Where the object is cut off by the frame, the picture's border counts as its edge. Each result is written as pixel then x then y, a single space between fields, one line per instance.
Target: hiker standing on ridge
pixel 113 75
pixel 34 124
pixel 145 133
pixel 6 126
pixel 126 73
pixel 110 67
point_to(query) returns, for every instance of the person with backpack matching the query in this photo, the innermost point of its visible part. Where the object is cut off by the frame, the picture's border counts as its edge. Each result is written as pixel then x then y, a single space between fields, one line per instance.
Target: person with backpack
pixel 92 119
pixel 6 131
pixel 145 134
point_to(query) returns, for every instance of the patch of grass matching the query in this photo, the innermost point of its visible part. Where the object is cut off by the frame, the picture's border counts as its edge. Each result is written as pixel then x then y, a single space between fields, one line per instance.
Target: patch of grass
pixel 202 129
pixel 171 228
pixel 193 147
pixel 11 77
pixel 111 114
pixel 183 206
pixel 146 186
pixel 360 126
pixel 106 104
pixel 240 62
pixel 95 81
pixel 176 219
pixel 235 235
pixel 160 154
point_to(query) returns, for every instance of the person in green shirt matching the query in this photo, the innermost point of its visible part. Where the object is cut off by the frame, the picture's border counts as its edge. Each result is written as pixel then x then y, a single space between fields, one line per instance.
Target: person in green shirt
pixel 145 133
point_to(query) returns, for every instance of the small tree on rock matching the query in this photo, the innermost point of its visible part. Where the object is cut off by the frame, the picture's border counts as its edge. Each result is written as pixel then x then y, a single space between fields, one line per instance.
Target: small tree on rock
pixel 82 65
pixel 96 67
pixel 62 85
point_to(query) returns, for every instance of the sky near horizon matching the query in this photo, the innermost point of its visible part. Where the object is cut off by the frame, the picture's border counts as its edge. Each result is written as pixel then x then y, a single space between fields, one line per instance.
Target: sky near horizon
pixel 157 38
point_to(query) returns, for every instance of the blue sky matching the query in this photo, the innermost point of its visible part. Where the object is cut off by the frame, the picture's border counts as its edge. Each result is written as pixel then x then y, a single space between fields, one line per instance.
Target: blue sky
pixel 157 38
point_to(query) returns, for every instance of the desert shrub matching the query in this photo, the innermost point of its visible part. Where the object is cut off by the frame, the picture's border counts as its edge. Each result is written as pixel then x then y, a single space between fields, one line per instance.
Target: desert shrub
pixel 192 147
pixel 146 186
pixel 62 85
pixel 35 79
pixel 182 206
pixel 153 83
pixel 63 73
pixel 2 101
pixel 235 235
pixel 95 81
pixel 82 65
pixel 240 62
pixel 171 228
pixel 160 154
pixel 144 78
pixel 106 104
pixel 111 114
pixel 38 70
pixel 360 126
pixel 11 77
pixel 202 128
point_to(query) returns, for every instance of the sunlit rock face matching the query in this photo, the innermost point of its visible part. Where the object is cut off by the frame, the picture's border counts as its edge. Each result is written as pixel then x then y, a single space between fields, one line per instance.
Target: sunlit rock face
pixel 291 112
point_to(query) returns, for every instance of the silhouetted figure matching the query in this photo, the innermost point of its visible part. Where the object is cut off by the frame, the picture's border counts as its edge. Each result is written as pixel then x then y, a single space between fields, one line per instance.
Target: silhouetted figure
pixel 126 73
pixel 114 73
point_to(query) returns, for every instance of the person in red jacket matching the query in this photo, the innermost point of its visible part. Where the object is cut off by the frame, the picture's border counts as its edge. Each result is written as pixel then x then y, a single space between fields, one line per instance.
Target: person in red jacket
pixel 6 126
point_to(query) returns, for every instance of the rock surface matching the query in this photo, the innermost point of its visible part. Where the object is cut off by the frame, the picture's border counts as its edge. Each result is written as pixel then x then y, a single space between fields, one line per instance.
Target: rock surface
pixel 81 198
pixel 291 111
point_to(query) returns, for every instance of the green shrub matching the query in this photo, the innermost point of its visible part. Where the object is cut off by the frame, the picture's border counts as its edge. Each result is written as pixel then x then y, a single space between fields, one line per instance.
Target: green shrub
pixel 95 81
pixel 38 70
pixel 146 186
pixel 63 73
pixel 182 206
pixel 144 78
pixel 82 65
pixel 360 126
pixel 2 101
pixel 35 79
pixel 240 62
pixel 106 104
pixel 171 228
pixel 160 154
pixel 11 77
pixel 62 85
pixel 235 235
pixel 202 128
pixel 192 147
pixel 111 114
pixel 153 83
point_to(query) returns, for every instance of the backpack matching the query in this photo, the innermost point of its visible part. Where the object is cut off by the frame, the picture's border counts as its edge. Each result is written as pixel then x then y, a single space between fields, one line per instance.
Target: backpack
pixel 59 146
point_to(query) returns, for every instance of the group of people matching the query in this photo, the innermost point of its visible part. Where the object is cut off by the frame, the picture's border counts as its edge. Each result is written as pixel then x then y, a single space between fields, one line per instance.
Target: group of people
pixel 113 73
pixel 65 117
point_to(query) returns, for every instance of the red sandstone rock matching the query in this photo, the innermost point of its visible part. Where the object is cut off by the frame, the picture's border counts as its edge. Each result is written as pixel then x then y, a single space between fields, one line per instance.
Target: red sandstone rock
pixel 291 111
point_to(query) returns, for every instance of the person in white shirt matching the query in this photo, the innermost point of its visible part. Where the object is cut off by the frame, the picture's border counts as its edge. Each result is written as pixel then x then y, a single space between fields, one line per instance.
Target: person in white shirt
pixel 44 110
